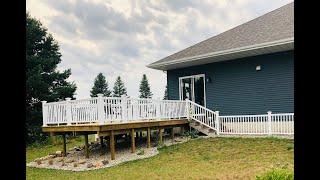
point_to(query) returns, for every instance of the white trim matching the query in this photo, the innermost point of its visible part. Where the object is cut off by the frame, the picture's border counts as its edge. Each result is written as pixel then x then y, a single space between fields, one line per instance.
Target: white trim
pixel 281 42
pixel 192 83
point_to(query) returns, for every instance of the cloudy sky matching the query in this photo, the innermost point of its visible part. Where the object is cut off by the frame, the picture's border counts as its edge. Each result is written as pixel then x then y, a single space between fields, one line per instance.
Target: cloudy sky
pixel 121 37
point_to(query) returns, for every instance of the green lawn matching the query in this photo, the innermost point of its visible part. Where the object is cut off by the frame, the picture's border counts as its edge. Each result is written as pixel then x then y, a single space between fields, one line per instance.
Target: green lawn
pixel 214 158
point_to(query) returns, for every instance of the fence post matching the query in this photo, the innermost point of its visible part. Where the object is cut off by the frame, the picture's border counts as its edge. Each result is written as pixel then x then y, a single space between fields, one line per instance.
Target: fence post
pixel 188 108
pixel 68 109
pixel 158 104
pixel 124 107
pixel 269 123
pixel 100 107
pixel 44 114
pixel 217 122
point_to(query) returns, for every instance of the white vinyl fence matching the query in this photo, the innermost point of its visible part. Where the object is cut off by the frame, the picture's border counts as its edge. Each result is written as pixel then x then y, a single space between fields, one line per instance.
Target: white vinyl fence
pixel 110 109
pixel 270 124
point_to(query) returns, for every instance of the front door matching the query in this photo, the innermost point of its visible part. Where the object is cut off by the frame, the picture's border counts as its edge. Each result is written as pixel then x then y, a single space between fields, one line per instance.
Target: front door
pixel 193 88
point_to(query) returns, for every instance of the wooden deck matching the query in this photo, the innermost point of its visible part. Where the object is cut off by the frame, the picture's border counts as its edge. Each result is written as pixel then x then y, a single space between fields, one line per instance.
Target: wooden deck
pixel 109 130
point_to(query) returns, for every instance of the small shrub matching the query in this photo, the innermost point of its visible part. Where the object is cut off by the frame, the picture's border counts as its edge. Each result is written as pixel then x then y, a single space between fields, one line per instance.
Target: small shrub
pixel 50 162
pixel 290 147
pixel 192 134
pixel 140 152
pixel 276 174
pixel 38 162
pixel 75 165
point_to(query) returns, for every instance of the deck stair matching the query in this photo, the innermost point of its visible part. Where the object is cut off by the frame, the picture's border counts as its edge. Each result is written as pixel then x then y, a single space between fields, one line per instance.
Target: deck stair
pixel 203 119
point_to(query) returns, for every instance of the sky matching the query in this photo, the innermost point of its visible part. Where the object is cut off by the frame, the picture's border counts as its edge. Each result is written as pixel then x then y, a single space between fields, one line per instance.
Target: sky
pixel 121 37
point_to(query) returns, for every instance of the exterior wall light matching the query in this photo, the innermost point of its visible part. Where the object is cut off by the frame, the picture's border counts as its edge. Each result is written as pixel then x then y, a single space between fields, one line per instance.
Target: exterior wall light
pixel 258 68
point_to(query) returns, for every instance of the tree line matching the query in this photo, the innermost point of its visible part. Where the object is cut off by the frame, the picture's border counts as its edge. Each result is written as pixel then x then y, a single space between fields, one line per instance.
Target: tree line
pixel 101 86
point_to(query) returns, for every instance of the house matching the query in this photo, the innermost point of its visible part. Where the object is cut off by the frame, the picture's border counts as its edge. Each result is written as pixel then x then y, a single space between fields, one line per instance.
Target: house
pixel 248 69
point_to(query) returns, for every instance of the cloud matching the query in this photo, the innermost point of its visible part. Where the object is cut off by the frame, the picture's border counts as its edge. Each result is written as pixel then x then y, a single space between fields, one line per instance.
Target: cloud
pixel 122 37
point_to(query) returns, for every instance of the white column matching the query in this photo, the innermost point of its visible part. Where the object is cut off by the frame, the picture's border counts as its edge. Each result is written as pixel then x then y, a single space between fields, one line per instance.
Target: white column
pixel 44 114
pixel 124 107
pixel 68 109
pixel 217 122
pixel 158 104
pixel 100 107
pixel 269 123
pixel 188 108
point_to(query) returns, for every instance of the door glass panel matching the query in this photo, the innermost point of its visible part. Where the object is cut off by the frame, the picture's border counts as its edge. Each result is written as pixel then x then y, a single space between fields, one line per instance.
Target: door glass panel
pixel 186 88
pixel 199 90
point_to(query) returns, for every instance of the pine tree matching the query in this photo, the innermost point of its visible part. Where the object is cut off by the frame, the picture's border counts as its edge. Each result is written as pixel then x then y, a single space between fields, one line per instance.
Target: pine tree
pixel 43 81
pixel 119 89
pixel 165 97
pixel 145 88
pixel 100 86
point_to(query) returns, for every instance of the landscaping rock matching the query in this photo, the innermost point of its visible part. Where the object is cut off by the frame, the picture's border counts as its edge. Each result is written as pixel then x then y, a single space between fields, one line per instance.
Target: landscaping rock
pixel 59 159
pixel 82 161
pixel 89 165
pixel 59 153
pixel 104 162
pixel 63 164
pixel 99 164
pixel 69 161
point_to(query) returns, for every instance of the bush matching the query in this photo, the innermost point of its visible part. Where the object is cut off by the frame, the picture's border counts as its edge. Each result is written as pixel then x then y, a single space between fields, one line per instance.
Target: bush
pixel 276 174
pixel 193 134
pixel 140 152
pixel 290 147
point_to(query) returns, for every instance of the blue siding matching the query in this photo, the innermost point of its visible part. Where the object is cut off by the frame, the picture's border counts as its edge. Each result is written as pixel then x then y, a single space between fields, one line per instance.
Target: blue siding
pixel 237 88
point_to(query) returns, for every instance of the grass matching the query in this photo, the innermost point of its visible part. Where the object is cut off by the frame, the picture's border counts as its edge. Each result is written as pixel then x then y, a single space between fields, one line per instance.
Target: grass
pixel 214 158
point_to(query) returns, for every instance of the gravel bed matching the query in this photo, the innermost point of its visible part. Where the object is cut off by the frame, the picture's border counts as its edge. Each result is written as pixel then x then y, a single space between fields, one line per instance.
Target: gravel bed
pixel 98 157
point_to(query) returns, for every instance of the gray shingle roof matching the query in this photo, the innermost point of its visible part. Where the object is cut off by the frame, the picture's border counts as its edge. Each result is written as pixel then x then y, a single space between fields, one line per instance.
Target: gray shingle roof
pixel 275 25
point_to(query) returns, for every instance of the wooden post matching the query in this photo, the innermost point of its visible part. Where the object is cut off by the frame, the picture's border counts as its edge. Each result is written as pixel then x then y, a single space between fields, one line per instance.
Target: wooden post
pixel 172 135
pixel 160 136
pixel 53 138
pixel 86 146
pixel 101 141
pixel 149 137
pixel 133 144
pixel 64 145
pixel 112 145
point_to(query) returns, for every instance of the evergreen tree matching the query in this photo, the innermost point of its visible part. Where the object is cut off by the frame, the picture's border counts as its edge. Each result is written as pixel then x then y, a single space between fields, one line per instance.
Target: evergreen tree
pixel 165 97
pixel 43 81
pixel 145 88
pixel 100 86
pixel 119 88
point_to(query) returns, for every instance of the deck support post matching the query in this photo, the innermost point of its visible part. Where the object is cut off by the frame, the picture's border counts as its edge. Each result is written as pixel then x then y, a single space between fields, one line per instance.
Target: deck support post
pixel 64 145
pixel 148 137
pixel 86 145
pixel 101 141
pixel 172 135
pixel 133 144
pixel 160 136
pixel 112 145
pixel 52 138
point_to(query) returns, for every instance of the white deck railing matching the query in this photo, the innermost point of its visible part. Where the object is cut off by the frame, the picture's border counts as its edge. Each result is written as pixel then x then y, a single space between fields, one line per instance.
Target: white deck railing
pixel 110 109
pixel 104 110
pixel 270 124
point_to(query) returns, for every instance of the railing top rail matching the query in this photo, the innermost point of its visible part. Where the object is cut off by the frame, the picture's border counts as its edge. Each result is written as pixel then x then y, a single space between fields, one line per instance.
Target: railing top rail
pixel 198 105
pixel 250 115
pixel 282 114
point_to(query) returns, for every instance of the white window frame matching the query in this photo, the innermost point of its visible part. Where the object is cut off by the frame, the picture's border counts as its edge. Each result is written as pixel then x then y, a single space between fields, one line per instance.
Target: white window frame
pixel 192 83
